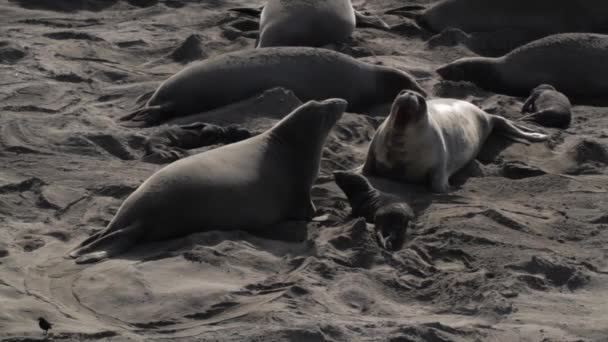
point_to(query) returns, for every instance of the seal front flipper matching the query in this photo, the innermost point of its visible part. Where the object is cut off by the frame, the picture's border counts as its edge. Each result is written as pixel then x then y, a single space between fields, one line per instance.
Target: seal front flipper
pixel 304 212
pixel 108 245
pixel 143 117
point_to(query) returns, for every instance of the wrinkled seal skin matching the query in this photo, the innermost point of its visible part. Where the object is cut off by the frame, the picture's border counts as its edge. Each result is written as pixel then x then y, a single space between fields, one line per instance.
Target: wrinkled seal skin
pixel 548 107
pixel 311 73
pixel 428 141
pixel 249 185
pixel 548 16
pixel 390 215
pixel 574 63
pixel 306 22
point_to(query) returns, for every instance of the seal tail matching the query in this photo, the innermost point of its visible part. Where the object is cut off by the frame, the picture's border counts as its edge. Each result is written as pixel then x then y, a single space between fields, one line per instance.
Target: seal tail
pixel 102 246
pixel 510 129
pixel 142 117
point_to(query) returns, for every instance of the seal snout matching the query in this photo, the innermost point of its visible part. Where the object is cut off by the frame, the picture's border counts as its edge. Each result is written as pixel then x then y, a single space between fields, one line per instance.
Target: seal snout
pixel 407 107
pixel 334 107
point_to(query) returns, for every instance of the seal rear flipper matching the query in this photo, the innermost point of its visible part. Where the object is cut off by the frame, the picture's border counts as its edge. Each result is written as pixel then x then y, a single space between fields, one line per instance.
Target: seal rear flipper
pixel 248 10
pixel 371 21
pixel 143 117
pixel 408 11
pixel 108 245
pixel 509 129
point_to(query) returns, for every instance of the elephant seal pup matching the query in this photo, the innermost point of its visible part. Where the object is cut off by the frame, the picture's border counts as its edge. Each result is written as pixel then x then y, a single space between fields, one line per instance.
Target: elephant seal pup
pixel 250 185
pixel 574 63
pixel 548 107
pixel 480 16
pixel 311 73
pixel 390 215
pixel 306 22
pixel 424 141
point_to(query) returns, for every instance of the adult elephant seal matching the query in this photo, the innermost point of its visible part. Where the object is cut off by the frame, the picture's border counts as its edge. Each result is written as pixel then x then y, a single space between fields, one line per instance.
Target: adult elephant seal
pixel 574 63
pixel 251 184
pixel 428 141
pixel 548 107
pixel 390 215
pixel 543 16
pixel 311 73
pixel 306 22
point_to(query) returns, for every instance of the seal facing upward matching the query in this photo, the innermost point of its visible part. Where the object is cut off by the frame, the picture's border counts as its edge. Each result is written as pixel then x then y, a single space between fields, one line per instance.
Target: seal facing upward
pixel 428 141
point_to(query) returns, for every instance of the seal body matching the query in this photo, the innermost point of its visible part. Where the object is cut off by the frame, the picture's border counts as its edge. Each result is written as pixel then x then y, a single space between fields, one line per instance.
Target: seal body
pixel 247 185
pixel 428 141
pixel 546 16
pixel 305 22
pixel 311 73
pixel 548 107
pixel 390 215
pixel 574 63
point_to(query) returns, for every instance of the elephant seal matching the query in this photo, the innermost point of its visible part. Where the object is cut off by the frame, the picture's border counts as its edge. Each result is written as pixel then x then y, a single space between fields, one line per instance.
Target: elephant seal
pixel 574 63
pixel 390 215
pixel 306 22
pixel 558 16
pixel 311 73
pixel 251 184
pixel 548 107
pixel 424 140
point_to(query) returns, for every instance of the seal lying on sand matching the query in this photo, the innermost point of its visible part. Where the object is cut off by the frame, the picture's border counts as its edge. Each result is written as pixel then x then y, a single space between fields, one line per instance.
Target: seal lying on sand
pixel 251 184
pixel 574 63
pixel 305 22
pixel 308 22
pixel 390 215
pixel 548 107
pixel 311 73
pixel 424 141
pixel 547 16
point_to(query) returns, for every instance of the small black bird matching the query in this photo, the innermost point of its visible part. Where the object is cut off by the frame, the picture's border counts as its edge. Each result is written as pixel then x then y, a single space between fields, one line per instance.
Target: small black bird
pixel 44 325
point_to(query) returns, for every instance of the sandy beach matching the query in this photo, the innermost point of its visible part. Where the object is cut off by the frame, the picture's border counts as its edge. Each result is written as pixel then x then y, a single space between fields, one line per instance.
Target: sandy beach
pixel 516 252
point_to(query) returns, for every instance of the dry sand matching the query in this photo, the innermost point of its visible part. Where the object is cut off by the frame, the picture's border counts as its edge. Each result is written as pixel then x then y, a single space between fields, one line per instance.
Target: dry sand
pixel 517 252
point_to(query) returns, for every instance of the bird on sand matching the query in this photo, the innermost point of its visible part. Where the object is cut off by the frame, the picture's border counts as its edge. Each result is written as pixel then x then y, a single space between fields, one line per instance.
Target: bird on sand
pixel 44 325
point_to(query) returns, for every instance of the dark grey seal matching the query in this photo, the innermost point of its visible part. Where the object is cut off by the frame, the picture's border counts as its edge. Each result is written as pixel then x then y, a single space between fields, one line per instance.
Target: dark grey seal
pixel 249 185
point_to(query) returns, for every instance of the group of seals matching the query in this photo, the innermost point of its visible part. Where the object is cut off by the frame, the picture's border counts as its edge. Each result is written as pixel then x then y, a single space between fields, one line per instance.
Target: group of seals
pixel 311 73
pixel 548 107
pixel 428 141
pixel 266 179
pixel 389 214
pixel 574 63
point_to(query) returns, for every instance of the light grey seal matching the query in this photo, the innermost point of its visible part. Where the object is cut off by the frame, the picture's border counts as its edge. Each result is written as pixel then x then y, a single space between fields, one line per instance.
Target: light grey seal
pixel 428 141
pixel 574 63
pixel 548 107
pixel 311 73
pixel 249 185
